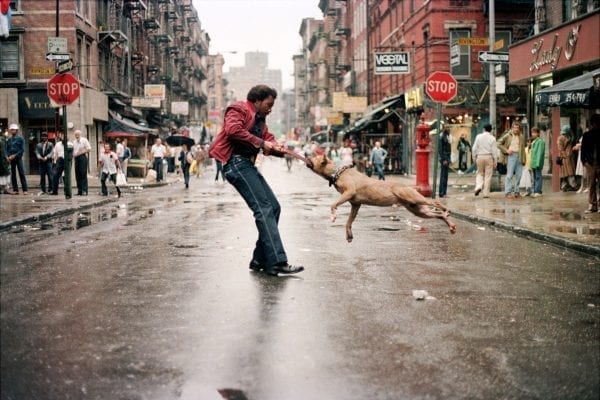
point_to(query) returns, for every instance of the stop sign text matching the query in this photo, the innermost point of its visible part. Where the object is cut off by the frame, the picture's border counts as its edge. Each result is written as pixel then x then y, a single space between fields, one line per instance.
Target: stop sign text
pixel 63 89
pixel 441 86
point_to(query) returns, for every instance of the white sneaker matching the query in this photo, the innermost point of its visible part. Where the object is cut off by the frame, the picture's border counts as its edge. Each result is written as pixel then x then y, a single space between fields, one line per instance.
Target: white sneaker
pixel 536 195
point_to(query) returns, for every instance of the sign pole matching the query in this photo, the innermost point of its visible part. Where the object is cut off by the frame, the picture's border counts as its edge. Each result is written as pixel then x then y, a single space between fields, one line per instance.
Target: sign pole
pixel 491 66
pixel 436 150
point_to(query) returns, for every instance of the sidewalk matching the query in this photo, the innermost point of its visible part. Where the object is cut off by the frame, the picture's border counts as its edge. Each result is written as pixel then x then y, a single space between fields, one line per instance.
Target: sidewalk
pixel 556 218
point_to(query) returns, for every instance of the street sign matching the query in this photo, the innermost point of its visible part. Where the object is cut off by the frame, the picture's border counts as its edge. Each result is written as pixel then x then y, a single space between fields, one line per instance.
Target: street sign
pixel 489 57
pixel 441 86
pixel 455 55
pixel 57 45
pixel 64 66
pixel 63 89
pixel 473 41
pixel 57 57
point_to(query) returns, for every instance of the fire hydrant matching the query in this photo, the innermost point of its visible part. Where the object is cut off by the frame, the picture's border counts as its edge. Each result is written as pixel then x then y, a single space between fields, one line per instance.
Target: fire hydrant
pixel 423 151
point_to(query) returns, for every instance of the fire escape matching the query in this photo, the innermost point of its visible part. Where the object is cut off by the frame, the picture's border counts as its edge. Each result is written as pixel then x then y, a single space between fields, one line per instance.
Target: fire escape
pixel 114 31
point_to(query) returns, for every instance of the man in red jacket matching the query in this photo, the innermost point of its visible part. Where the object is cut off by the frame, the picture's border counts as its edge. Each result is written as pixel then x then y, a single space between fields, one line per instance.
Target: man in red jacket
pixel 243 135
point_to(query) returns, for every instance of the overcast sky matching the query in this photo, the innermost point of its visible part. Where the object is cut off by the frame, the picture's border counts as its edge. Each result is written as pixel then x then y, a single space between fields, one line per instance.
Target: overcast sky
pixel 270 26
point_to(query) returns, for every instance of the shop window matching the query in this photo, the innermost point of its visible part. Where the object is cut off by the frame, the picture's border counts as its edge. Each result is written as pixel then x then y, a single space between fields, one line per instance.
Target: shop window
pixel 15 5
pixel 462 68
pixel 9 58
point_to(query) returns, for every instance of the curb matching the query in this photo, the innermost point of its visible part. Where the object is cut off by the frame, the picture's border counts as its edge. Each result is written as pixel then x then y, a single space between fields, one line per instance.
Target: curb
pixel 530 234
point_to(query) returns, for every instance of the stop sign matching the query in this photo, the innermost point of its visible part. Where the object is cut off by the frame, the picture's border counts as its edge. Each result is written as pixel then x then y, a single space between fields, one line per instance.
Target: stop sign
pixel 63 89
pixel 441 86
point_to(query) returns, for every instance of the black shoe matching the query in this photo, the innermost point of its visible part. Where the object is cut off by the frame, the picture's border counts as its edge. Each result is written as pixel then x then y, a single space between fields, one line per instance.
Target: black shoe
pixel 477 192
pixel 256 266
pixel 284 269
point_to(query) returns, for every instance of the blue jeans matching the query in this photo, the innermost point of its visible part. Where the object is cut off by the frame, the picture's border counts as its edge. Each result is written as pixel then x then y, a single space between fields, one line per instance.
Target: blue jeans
pixel 158 167
pixel 513 169
pixel 253 187
pixel 379 170
pixel 537 180
pixel 16 165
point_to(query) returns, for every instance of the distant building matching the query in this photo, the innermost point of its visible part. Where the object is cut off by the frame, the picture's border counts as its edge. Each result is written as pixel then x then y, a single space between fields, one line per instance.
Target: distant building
pixel 255 71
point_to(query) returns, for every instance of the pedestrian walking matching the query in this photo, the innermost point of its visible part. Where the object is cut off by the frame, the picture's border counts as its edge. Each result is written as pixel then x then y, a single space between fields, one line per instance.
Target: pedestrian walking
pixel 485 153
pixel 347 156
pixel 109 165
pixel 565 160
pixel 377 159
pixel 4 166
pixel 463 148
pixel 126 157
pixel 185 159
pixel 58 163
pixel 590 157
pixel 237 145
pixel 43 153
pixel 512 145
pixel 445 157
pixel 158 151
pixel 525 181
pixel 81 148
pixel 538 150
pixel 15 148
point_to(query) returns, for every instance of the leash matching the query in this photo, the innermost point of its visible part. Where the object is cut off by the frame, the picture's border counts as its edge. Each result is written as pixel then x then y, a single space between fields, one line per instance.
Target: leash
pixel 297 156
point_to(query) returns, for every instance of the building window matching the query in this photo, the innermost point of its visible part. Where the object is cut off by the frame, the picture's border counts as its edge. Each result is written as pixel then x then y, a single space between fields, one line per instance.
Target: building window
pixel 9 58
pixel 462 69
pixel 88 62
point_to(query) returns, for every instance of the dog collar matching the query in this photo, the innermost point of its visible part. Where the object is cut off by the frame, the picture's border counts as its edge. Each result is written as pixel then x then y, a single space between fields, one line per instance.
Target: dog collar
pixel 336 175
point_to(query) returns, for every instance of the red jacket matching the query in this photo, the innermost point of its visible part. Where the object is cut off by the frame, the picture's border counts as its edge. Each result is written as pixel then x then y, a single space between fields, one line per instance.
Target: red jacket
pixel 239 118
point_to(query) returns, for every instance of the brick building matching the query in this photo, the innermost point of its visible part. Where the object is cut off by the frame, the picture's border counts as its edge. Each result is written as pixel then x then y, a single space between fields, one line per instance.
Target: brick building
pixel 118 48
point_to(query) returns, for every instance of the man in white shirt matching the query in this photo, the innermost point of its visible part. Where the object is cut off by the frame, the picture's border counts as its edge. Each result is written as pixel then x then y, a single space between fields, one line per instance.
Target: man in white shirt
pixel 81 148
pixel 58 162
pixel 109 164
pixel 485 153
pixel 158 152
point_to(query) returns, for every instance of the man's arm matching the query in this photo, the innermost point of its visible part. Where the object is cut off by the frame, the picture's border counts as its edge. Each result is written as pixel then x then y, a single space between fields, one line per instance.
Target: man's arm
pixel 38 149
pixel 234 128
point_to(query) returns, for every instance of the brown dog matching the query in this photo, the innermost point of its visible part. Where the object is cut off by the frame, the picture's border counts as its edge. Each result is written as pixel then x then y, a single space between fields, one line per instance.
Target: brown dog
pixel 359 189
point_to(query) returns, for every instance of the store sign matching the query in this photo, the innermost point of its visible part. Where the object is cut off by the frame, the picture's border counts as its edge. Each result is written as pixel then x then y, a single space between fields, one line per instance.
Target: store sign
pixel 158 91
pixel 550 55
pixel 145 102
pixel 392 63
pixel 180 108
pixel 35 104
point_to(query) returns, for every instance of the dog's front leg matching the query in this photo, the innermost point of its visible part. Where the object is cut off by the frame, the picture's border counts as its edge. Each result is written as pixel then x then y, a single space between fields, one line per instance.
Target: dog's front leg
pixel 353 212
pixel 341 200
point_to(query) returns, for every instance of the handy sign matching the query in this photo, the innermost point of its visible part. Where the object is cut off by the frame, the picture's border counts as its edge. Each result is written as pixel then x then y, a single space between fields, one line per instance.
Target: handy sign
pixel 57 45
pixel 145 102
pixel 392 63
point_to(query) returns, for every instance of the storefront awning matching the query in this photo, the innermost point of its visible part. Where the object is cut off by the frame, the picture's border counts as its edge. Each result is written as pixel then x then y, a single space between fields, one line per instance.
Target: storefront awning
pixel 379 113
pixel 119 126
pixel 574 93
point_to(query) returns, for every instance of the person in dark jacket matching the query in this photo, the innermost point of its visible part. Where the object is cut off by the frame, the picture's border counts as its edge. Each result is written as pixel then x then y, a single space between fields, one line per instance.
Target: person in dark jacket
pixel 590 157
pixel 43 153
pixel 444 155
pixel 185 158
pixel 15 148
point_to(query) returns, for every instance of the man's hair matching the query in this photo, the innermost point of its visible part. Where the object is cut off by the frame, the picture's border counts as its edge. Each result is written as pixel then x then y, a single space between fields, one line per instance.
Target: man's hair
pixel 535 129
pixel 261 92
pixel 487 127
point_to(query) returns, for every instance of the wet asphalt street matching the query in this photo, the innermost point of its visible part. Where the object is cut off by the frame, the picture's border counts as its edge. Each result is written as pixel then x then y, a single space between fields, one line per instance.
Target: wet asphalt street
pixel 151 298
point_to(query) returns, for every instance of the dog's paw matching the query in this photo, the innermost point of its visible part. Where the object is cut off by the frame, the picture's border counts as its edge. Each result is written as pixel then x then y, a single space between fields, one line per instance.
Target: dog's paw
pixel 452 228
pixel 333 217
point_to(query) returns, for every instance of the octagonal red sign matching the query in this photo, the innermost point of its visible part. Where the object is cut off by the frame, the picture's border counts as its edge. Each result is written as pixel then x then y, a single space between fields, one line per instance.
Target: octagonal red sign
pixel 441 86
pixel 63 89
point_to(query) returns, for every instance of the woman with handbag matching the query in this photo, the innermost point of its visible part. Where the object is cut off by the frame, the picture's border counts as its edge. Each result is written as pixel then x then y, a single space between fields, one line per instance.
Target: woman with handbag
pixel 564 160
